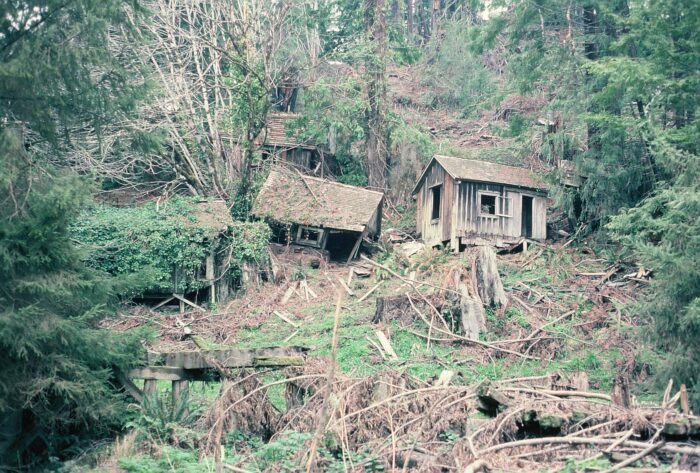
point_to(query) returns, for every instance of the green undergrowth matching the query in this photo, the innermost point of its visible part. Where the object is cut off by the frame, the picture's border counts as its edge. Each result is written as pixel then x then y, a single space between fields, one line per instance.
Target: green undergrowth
pixel 547 272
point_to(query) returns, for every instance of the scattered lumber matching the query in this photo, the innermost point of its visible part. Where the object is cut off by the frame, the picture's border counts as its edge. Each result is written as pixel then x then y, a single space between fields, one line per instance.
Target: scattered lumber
pixel 285 318
pixel 289 293
pixel 345 286
pixel 386 345
pixel 188 302
pixel 367 294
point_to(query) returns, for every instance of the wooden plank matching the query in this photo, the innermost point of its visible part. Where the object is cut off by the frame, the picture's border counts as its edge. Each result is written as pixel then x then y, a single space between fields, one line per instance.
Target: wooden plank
pixel 345 286
pixel 165 373
pixel 286 319
pixel 163 302
pixel 289 293
pixel 310 291
pixel 180 389
pixel 190 303
pixel 386 345
pixel 374 288
pixel 294 360
pixel 230 358
pixel 129 385
pixel 286 340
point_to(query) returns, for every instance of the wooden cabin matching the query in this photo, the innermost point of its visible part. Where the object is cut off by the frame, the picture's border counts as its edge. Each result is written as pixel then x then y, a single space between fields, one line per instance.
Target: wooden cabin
pixel 318 213
pixel 281 143
pixel 465 202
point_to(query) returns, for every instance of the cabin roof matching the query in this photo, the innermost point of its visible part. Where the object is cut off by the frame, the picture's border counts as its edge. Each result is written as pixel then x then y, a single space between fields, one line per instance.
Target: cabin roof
pixel 290 197
pixel 275 132
pixel 484 171
pixel 212 215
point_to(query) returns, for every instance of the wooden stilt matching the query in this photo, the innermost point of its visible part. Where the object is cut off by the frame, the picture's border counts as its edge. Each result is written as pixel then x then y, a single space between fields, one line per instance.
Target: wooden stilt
pixel 210 277
pixel 180 389
pixel 149 387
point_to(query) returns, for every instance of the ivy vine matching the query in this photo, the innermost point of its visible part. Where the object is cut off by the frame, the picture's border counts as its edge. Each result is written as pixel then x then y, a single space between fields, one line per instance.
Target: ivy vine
pixel 163 247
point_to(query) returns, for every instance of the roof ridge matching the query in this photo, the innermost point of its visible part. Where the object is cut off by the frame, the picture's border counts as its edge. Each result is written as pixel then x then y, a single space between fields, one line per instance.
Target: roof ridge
pixel 336 183
pixel 480 161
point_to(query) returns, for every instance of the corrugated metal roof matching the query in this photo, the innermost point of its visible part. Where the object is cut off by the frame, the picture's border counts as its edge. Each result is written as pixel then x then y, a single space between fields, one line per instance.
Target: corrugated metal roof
pixel 485 171
pixel 289 197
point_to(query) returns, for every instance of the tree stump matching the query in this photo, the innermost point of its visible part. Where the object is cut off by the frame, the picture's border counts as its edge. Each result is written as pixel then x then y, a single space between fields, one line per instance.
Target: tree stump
pixel 488 282
pixel 473 317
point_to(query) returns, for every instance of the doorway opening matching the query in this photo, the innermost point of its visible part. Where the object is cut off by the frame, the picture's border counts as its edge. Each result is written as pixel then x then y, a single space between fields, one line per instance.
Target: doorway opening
pixel 340 245
pixel 526 227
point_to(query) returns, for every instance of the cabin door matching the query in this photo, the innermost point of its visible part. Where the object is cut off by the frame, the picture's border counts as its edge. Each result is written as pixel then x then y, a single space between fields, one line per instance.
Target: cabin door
pixel 526 218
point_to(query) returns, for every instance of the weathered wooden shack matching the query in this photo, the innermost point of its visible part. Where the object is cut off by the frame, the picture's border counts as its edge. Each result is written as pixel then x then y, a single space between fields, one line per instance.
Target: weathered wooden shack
pixel 465 201
pixel 281 143
pixel 319 213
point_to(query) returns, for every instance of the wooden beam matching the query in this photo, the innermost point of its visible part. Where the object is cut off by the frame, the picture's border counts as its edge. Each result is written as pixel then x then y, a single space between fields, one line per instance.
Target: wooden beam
pixel 370 291
pixel 128 385
pixel 294 360
pixel 180 389
pixel 345 286
pixel 286 319
pixel 163 302
pixel 356 248
pixel 190 303
pixel 232 358
pixel 386 345
pixel 165 373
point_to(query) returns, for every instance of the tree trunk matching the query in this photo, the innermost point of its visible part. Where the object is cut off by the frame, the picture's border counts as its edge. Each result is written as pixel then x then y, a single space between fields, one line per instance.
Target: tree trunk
pixel 375 133
pixel 488 282
pixel 409 17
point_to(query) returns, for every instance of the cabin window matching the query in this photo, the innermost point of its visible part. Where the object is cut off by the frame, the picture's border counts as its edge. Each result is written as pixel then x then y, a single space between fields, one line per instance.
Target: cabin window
pixel 309 236
pixel 487 204
pixel 505 206
pixel 437 199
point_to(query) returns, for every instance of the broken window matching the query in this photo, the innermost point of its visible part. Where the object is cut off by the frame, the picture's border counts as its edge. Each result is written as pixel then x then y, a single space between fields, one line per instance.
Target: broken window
pixel 487 204
pixel 309 236
pixel 505 206
pixel 437 197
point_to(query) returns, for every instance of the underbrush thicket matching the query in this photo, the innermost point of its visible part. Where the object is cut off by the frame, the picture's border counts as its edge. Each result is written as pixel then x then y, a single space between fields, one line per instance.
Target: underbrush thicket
pixel 163 246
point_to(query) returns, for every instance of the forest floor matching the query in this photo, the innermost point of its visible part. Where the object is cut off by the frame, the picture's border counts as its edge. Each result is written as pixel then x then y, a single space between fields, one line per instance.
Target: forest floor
pixel 566 327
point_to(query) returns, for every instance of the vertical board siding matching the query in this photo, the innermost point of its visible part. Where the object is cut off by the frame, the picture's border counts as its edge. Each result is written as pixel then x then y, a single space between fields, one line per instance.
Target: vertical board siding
pixel 459 212
pixel 433 232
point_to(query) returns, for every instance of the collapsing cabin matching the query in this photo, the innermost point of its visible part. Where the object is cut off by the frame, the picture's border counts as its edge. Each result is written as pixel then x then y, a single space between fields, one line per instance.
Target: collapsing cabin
pixel 465 201
pixel 279 142
pixel 318 213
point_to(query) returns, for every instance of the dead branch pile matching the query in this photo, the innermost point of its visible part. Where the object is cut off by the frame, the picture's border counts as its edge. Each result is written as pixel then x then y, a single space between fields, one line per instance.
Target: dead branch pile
pixel 242 405
pixel 408 424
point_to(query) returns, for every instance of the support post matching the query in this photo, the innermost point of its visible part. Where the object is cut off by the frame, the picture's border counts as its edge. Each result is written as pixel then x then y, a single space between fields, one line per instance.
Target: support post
pixel 180 389
pixel 210 277
pixel 149 387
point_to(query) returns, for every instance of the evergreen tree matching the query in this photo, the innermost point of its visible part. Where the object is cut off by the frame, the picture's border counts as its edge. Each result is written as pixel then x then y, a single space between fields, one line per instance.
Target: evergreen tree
pixel 623 75
pixel 60 80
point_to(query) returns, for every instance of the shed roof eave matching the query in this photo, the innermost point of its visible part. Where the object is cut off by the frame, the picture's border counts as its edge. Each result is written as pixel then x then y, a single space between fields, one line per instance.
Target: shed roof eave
pixel 422 175
pixel 541 190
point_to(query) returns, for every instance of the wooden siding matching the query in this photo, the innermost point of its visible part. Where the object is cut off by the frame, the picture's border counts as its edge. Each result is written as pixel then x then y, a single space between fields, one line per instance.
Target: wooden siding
pixel 471 223
pixel 459 210
pixel 434 232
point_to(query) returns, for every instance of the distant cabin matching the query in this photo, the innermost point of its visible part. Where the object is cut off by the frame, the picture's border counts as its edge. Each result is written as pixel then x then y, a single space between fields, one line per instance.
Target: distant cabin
pixel 281 143
pixel 465 201
pixel 318 213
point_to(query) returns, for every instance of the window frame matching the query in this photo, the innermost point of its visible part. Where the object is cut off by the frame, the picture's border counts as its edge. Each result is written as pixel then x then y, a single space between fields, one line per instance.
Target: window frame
pixel 432 202
pixel 493 194
pixel 313 243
